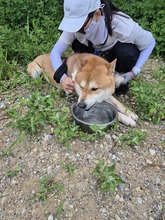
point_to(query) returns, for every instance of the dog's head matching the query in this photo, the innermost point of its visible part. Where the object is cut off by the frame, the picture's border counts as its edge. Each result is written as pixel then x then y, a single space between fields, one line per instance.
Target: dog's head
pixel 94 80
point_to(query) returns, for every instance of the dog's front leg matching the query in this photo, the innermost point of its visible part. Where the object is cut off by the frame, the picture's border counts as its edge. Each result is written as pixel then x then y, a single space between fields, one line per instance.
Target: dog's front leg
pixel 126 120
pixel 124 115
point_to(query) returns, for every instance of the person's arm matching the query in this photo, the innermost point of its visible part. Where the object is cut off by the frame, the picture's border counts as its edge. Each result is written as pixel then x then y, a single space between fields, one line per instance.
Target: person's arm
pixel 56 53
pixel 143 56
pixel 55 57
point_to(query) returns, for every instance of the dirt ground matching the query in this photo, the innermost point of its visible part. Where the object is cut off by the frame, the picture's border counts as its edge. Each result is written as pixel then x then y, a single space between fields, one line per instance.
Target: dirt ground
pixel 142 166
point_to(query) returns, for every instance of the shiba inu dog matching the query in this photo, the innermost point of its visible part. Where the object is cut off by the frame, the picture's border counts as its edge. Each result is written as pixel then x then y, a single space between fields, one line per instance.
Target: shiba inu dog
pixel 94 81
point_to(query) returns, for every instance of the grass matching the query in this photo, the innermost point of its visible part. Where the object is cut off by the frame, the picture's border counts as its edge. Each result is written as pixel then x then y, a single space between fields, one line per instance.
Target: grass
pixel 107 179
pixel 149 96
pixel 48 187
pixel 14 172
pixel 68 167
pixel 132 138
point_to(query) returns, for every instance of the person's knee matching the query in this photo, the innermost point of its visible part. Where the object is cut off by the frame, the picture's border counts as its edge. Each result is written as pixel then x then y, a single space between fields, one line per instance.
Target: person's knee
pixel 127 55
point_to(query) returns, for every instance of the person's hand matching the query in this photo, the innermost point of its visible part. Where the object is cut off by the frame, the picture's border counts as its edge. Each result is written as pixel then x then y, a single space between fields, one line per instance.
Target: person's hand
pixel 67 85
pixel 127 77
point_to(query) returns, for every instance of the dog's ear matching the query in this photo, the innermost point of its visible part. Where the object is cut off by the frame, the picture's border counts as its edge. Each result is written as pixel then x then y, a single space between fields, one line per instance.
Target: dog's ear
pixel 111 67
pixel 80 62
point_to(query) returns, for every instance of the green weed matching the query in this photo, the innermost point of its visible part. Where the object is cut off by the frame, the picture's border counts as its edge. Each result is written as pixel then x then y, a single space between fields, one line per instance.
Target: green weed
pixel 107 179
pixel 69 167
pixel 98 130
pixel 59 209
pixel 150 100
pixel 65 128
pixel 9 150
pixel 31 113
pixel 14 172
pixel 36 111
pixel 131 138
pixel 47 187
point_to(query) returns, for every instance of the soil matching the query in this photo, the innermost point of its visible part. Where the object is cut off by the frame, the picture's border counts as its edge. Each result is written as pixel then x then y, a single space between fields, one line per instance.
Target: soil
pixel 142 166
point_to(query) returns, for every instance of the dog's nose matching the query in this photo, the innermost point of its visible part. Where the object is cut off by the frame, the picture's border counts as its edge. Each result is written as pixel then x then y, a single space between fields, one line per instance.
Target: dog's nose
pixel 82 105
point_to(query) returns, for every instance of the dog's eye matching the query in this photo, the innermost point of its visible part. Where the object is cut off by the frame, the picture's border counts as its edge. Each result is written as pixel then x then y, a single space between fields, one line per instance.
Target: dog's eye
pixel 94 89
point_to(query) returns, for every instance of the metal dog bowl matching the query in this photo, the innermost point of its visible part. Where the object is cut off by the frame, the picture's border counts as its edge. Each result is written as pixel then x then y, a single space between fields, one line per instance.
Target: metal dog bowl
pixel 101 114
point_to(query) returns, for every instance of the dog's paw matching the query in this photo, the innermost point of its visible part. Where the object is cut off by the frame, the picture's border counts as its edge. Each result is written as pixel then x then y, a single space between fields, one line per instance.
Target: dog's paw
pixel 130 122
pixel 118 79
pixel 126 120
pixel 132 115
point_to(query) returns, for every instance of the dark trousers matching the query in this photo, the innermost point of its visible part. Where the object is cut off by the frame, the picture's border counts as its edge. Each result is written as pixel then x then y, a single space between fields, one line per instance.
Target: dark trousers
pixel 126 54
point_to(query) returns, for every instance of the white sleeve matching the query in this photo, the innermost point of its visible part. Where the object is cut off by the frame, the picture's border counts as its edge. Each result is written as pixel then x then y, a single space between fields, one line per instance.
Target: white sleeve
pixel 59 48
pixel 144 55
pixel 55 55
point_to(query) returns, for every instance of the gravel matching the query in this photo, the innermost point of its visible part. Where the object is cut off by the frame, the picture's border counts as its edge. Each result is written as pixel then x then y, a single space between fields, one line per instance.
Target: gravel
pixel 142 166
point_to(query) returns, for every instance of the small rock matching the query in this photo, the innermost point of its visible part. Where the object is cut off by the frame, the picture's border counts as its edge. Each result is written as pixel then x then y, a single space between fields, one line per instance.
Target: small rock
pixel 47 138
pixel 107 136
pixel 117 197
pixel 14 182
pixel 2 105
pixel 121 199
pixel 49 170
pixel 23 210
pixel 162 138
pixel 117 217
pixel 148 161
pixel 50 217
pixel 6 139
pixel 113 157
pixel 138 189
pixel 56 169
pixel 140 201
pixel 157 180
pixel 114 137
pixel 152 151
pixel 121 186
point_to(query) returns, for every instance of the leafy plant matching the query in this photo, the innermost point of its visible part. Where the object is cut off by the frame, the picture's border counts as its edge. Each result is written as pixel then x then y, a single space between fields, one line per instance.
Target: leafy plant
pixel 107 179
pixel 98 130
pixel 69 167
pixel 132 138
pixel 66 129
pixel 14 172
pixel 37 113
pixel 149 100
pixel 25 24
pixel 47 187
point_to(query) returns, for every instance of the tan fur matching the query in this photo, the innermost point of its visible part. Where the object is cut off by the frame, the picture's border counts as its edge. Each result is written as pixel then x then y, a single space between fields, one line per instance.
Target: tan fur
pixel 94 80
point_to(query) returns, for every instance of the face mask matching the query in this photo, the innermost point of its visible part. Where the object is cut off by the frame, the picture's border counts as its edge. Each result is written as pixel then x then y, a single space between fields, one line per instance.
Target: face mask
pixel 97 32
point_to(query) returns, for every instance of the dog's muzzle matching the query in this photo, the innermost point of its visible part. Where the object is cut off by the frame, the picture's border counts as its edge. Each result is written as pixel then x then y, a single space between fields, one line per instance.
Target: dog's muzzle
pixel 82 105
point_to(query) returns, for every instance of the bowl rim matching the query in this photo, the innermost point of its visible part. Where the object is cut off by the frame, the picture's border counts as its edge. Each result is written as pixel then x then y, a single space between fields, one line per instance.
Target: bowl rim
pixel 90 124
